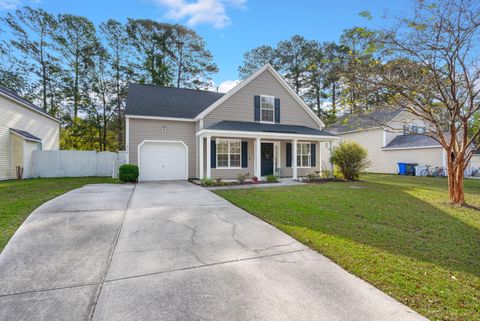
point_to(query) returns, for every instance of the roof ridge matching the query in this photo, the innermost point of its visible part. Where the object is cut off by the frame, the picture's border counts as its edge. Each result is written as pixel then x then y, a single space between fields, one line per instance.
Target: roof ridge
pixel 178 88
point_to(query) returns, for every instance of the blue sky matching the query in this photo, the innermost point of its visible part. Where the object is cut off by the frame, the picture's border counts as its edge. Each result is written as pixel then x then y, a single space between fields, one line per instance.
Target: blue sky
pixel 231 27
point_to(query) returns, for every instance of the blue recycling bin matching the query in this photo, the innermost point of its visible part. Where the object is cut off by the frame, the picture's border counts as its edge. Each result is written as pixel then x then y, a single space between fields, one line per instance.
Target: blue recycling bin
pixel 402 168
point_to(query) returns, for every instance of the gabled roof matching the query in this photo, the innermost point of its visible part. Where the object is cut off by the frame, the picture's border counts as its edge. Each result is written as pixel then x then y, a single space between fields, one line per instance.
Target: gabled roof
pixel 364 121
pixel 22 101
pixel 171 102
pixel 190 104
pixel 412 141
pixel 25 135
pixel 267 128
pixel 246 81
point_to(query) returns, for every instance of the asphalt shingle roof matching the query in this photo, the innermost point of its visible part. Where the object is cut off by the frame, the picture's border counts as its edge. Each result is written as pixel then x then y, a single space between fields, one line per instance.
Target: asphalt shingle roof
pixel 267 128
pixel 354 122
pixel 151 100
pixel 25 134
pixel 15 96
pixel 412 140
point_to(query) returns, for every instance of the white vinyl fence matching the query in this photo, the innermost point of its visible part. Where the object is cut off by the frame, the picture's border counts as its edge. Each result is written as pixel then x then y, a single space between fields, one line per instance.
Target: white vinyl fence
pixel 75 163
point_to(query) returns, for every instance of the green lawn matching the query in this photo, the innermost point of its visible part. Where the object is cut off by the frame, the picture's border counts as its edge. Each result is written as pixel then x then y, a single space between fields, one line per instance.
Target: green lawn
pixel 19 198
pixel 398 233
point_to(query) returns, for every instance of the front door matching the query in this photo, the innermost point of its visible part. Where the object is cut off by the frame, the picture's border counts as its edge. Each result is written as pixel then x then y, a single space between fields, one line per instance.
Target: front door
pixel 267 159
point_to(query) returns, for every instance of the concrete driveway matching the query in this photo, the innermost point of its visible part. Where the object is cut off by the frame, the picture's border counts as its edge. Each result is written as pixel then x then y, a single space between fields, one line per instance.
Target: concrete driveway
pixel 172 251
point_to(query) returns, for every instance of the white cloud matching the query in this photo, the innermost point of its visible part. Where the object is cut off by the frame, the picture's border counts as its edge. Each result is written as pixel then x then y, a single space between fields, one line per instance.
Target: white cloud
pixel 9 4
pixel 224 86
pixel 197 12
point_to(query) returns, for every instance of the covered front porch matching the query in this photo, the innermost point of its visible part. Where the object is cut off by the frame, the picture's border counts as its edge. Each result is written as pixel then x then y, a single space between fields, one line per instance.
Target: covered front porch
pixel 283 151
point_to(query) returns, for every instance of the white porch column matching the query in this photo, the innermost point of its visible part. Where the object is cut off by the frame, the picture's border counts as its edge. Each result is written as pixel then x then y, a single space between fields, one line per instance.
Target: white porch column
pixel 258 151
pixel 209 165
pixel 294 159
pixel 200 153
pixel 330 147
pixel 320 160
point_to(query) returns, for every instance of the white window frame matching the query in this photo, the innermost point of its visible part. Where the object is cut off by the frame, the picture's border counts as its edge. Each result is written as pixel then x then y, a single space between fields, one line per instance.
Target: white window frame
pixel 273 109
pixel 299 155
pixel 229 141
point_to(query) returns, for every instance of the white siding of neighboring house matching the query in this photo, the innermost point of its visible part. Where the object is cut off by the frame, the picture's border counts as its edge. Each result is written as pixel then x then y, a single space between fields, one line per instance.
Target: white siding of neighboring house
pixel 17 154
pixel 14 115
pixel 385 161
pixel 395 127
pixel 475 161
pixel 29 147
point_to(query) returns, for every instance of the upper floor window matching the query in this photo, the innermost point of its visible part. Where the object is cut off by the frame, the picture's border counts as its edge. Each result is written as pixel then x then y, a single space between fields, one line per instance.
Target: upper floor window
pixel 414 129
pixel 267 109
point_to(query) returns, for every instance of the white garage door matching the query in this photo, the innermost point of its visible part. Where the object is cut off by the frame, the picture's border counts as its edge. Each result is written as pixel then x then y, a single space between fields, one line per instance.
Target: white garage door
pixel 163 161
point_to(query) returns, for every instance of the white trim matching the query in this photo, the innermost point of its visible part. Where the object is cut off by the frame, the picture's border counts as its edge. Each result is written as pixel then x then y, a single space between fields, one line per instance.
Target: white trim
pixel 160 118
pixel 29 107
pixel 294 160
pixel 200 152
pixel 25 138
pixel 242 84
pixel 229 140
pixel 162 141
pixel 209 157
pixel 127 140
pixel 257 157
pixel 245 134
pixel 384 138
pixel 406 148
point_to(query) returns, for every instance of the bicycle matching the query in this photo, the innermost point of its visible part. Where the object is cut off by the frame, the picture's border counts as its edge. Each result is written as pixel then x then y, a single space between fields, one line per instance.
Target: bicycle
pixel 433 171
pixel 475 172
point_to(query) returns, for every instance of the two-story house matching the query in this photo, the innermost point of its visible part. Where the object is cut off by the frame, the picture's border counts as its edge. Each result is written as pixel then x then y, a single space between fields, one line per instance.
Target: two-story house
pixel 260 127
pixel 390 136
pixel 24 127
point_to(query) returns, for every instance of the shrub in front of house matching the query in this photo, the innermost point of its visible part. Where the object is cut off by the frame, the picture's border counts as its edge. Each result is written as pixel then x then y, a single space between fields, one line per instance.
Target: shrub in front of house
pixel 128 173
pixel 242 178
pixel 207 182
pixel 350 158
pixel 272 179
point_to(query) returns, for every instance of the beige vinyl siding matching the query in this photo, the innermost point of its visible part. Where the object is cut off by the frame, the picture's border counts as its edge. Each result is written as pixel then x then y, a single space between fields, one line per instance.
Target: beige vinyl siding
pixel 285 171
pixel 228 173
pixel 150 129
pixel 240 106
pixel 385 161
pixel 15 115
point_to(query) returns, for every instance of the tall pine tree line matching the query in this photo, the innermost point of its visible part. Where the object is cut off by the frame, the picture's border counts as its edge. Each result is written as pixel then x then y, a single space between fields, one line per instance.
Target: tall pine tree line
pixel 79 72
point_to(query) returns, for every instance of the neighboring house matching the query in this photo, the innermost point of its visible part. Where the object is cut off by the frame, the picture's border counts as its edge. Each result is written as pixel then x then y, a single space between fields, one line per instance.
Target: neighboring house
pixel 390 136
pixel 260 127
pixel 24 128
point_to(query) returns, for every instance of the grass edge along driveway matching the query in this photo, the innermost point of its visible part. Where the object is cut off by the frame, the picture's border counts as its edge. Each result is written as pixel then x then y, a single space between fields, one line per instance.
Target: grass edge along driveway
pixel 19 198
pixel 397 233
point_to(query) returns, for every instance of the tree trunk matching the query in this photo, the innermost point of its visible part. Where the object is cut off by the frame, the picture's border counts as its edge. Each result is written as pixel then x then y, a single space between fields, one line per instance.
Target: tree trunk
pixel 455 181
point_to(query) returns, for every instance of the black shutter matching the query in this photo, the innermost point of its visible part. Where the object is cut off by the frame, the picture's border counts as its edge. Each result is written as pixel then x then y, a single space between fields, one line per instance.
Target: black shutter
pixel 213 154
pixel 256 101
pixel 313 154
pixel 244 154
pixel 277 110
pixel 289 154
